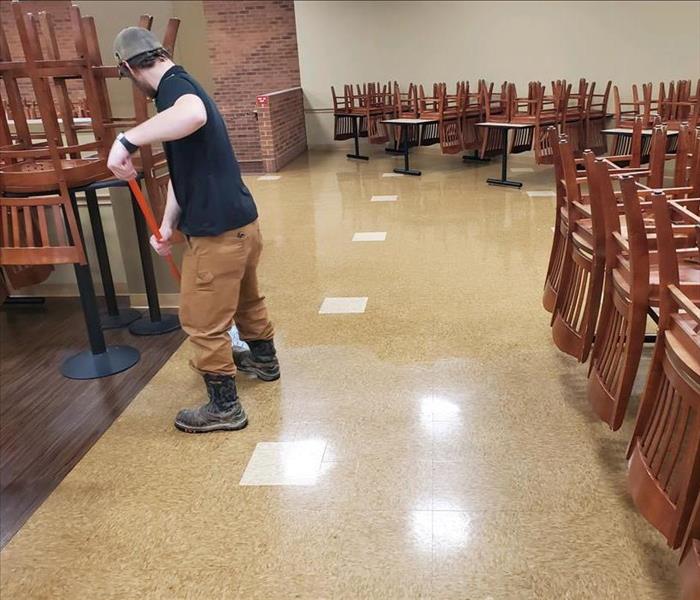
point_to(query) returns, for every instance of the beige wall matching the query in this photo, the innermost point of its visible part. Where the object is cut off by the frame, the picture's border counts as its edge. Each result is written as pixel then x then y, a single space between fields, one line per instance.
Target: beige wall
pixel 628 42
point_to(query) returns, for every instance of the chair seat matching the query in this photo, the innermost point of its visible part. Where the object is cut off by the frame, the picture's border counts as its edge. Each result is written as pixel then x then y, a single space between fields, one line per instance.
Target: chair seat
pixel 689 277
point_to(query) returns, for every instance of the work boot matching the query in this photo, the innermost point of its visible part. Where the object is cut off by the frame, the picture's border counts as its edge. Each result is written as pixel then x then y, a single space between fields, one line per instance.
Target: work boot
pixel 260 361
pixel 222 412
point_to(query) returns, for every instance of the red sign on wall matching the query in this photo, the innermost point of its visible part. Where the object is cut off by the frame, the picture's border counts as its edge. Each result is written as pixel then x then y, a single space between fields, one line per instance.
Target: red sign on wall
pixel 262 100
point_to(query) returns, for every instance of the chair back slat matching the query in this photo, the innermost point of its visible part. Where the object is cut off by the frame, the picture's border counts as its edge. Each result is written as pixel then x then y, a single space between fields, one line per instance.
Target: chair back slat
pixel 29 226
pixel 16 231
pixel 43 226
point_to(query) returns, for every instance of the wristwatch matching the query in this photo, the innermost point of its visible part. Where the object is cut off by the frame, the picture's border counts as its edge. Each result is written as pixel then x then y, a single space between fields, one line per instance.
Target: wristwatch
pixel 130 148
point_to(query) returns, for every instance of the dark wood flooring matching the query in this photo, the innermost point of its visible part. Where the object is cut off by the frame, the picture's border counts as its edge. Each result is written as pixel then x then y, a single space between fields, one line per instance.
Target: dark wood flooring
pixel 48 422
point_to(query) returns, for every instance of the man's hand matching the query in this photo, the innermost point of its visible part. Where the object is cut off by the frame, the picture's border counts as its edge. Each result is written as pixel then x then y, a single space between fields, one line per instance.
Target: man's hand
pixel 163 246
pixel 119 162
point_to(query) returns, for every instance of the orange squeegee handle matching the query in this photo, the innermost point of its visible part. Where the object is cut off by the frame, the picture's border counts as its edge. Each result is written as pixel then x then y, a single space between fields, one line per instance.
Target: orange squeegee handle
pixel 152 223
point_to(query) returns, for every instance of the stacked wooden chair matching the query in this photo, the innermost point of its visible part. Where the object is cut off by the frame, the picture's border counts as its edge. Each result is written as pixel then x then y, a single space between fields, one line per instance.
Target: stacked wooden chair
pixel 495 108
pixel 664 452
pixel 595 118
pixel 632 251
pixel 447 109
pixel 373 102
pixel 690 557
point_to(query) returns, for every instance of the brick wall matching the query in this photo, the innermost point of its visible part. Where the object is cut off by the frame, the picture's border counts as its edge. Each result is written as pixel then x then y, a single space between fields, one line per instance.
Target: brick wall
pixel 60 9
pixel 282 127
pixel 252 51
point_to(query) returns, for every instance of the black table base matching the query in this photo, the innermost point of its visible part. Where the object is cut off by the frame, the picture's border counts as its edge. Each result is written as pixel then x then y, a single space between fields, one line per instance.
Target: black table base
pixel 115 317
pixel 146 326
pixel 475 158
pixel 356 136
pixel 406 168
pixel 415 172
pixel 101 360
pixel 87 365
pixel 504 167
pixel 125 317
pixel 505 182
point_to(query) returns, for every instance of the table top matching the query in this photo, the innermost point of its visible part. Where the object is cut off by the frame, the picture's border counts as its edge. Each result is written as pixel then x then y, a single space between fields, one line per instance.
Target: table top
pixel 505 125
pixel 625 131
pixel 409 121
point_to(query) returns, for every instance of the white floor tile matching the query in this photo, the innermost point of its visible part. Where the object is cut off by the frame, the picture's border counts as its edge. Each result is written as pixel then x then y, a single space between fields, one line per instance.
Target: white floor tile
pixel 541 194
pixel 285 463
pixel 269 177
pixel 522 170
pixel 369 236
pixel 336 306
pixel 392 175
pixel 392 198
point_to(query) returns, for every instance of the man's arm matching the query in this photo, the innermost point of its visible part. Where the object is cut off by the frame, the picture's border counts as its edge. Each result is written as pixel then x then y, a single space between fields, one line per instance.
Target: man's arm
pixel 171 218
pixel 183 118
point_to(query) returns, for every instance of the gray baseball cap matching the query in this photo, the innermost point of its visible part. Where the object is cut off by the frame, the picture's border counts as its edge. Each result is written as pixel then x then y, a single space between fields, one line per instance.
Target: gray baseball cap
pixel 132 41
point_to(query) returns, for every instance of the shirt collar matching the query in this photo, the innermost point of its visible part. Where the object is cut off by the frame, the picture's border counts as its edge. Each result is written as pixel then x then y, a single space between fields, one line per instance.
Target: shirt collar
pixel 174 70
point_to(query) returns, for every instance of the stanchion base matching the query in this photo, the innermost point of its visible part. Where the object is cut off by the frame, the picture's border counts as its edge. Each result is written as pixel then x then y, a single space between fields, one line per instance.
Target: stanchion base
pixel 358 156
pixel 87 365
pixel 506 182
pixel 475 158
pixel 145 326
pixel 407 171
pixel 395 151
pixel 124 318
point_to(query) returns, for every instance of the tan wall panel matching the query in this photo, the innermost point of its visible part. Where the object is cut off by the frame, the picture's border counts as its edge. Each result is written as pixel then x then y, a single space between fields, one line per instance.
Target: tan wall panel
pixel 628 42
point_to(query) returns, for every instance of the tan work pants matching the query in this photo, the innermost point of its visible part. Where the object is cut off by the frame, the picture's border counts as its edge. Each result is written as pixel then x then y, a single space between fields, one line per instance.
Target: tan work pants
pixel 219 286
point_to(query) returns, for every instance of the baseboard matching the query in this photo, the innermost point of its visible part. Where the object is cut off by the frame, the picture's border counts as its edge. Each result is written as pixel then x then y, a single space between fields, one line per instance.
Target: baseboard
pixel 165 300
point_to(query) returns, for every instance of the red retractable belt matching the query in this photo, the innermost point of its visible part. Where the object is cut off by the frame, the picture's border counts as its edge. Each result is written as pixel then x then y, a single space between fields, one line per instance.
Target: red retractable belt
pixel 152 224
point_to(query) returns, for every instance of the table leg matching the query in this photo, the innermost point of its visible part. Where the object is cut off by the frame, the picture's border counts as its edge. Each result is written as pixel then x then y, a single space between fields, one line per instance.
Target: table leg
pixel 114 317
pixel 156 323
pixel 504 166
pixel 406 169
pixel 397 149
pixel 101 360
pixel 356 135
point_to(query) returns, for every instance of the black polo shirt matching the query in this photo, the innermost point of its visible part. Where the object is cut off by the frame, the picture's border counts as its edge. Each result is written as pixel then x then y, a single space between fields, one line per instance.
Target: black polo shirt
pixel 203 168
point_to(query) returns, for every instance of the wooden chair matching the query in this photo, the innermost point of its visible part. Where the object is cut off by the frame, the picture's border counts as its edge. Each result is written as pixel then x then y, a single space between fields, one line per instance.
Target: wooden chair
pixel 540 111
pixel 447 110
pixel 631 287
pixel 595 117
pixel 471 115
pixel 406 103
pixel 560 231
pixel 28 167
pixel 494 109
pixel 664 452
pixel 690 557
pixel 39 230
pixel 583 265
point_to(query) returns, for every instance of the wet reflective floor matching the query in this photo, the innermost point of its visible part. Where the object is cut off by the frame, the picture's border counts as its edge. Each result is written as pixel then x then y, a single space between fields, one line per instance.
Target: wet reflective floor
pixel 426 439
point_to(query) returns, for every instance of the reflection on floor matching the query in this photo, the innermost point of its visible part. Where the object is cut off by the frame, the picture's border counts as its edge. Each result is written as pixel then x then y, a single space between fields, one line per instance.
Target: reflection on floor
pixel 442 447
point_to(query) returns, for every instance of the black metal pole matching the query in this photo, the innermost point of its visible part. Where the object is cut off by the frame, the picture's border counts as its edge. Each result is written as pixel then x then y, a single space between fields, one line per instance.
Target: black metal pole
pixel 356 134
pixel 98 235
pixel 504 162
pixel 404 130
pixel 149 276
pixel 88 300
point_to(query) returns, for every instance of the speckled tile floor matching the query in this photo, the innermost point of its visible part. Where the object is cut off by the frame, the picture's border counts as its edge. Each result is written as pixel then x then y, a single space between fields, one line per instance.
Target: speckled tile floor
pixel 460 459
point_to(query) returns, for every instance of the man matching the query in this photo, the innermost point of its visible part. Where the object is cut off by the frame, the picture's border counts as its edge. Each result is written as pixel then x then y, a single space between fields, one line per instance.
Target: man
pixel 208 201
